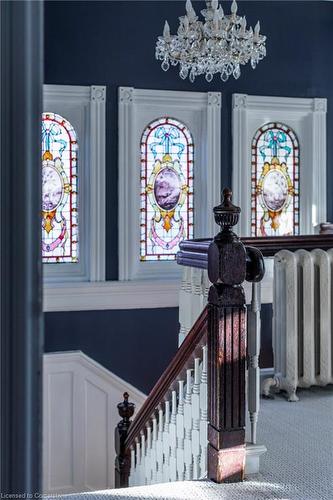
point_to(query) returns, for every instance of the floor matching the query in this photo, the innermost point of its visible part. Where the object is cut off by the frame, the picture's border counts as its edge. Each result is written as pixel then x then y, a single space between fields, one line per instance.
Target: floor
pixel 298 463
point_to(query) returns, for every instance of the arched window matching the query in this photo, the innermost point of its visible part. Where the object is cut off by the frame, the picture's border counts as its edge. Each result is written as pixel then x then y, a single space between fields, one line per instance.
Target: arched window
pixel 275 181
pixel 59 190
pixel 166 205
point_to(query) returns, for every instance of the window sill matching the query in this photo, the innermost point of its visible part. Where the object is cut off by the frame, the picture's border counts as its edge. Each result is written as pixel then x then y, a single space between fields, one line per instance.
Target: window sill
pixel 143 294
pixel 89 296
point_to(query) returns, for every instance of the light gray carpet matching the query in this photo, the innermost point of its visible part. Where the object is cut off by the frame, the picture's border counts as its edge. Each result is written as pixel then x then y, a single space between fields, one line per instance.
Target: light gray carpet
pixel 298 463
pixel 299 440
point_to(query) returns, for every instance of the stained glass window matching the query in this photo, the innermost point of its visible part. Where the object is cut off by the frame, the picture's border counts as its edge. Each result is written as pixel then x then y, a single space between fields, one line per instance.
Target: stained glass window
pixel 59 190
pixel 166 211
pixel 275 181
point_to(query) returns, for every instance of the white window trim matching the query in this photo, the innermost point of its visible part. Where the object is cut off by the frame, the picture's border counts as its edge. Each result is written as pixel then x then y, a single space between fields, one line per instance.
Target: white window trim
pixel 150 293
pixel 91 102
pixel 131 100
pixel 307 117
pixel 98 294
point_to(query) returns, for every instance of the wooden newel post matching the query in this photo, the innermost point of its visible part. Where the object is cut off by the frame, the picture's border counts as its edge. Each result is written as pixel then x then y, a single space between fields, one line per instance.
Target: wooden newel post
pixel 123 459
pixel 226 348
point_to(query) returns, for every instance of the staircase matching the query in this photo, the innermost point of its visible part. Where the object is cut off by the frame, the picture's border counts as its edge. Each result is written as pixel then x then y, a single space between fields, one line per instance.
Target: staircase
pixel 192 425
pixel 295 447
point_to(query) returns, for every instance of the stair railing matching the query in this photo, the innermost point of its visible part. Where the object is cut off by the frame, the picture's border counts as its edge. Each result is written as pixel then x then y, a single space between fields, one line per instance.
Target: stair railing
pixel 192 424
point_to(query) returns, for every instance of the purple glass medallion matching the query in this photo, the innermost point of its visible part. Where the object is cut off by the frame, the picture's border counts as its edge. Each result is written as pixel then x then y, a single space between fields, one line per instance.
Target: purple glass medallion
pixel 167 189
pixel 275 190
pixel 52 188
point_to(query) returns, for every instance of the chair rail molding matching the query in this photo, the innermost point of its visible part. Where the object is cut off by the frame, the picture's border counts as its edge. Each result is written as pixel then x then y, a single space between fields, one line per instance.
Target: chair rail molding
pixel 201 112
pixel 84 107
pixel 307 117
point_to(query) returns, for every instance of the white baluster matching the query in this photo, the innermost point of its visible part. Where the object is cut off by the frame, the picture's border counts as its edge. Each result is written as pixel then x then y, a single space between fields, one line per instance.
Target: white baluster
pixel 206 284
pixel 143 459
pixel 180 433
pixel 166 443
pixel 138 462
pixel 203 414
pixel 153 451
pixel 185 298
pixel 159 448
pixel 173 438
pixel 188 427
pixel 196 294
pixel 196 419
pixel 131 479
pixel 148 461
pixel 192 298
pixel 253 360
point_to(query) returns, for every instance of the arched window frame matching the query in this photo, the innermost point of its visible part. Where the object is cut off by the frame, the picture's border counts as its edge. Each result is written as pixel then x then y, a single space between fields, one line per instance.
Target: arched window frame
pixel 290 160
pixel 54 159
pixel 201 112
pixel 181 163
pixel 84 108
pixel 307 118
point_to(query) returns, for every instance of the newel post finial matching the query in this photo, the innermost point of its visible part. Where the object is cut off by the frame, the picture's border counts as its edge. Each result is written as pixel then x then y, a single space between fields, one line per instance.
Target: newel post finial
pixel 126 409
pixel 226 254
pixel 122 464
pixel 226 214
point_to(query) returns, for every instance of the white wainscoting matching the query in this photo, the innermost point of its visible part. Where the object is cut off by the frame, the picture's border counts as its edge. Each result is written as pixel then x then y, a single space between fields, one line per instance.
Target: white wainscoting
pixel 80 400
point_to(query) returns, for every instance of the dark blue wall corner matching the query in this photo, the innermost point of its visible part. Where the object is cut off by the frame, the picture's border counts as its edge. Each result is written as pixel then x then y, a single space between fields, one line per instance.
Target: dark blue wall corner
pixel 112 43
pixel 136 345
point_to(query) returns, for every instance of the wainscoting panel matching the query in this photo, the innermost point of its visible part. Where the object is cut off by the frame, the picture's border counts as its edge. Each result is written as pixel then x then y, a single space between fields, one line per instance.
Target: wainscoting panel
pixel 98 448
pixel 59 423
pixel 79 416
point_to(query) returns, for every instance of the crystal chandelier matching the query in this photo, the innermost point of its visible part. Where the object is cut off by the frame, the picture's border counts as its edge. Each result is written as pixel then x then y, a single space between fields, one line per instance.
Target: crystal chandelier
pixel 219 44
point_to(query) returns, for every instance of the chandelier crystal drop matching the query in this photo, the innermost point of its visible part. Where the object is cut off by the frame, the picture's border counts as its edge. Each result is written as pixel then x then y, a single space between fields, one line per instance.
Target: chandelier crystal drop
pixel 219 44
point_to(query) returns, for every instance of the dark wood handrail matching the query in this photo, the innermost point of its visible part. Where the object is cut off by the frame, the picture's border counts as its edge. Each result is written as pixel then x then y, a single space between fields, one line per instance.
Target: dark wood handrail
pixel 194 253
pixel 163 385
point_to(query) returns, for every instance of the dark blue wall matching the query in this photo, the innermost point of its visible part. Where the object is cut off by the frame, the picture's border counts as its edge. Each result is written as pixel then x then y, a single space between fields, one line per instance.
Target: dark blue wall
pixel 112 43
pixel 136 345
